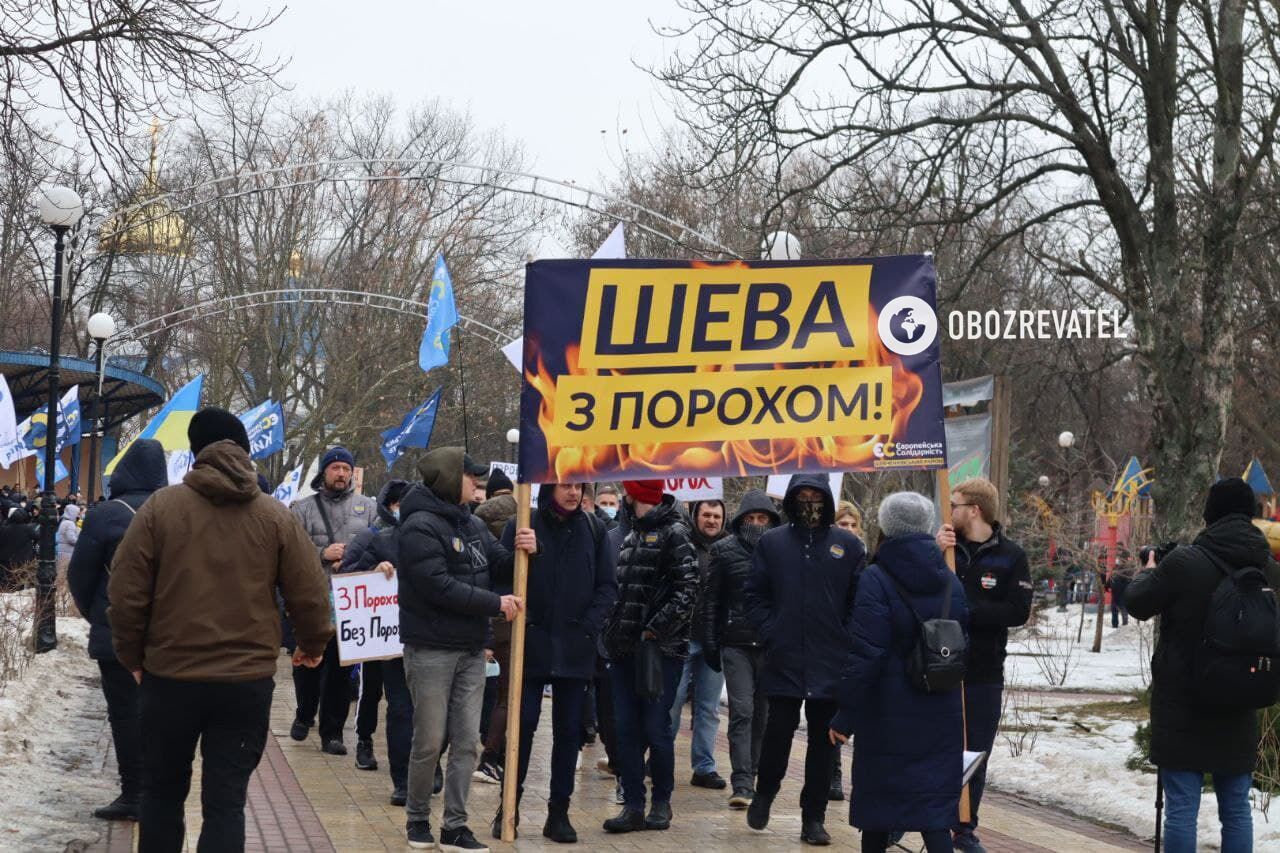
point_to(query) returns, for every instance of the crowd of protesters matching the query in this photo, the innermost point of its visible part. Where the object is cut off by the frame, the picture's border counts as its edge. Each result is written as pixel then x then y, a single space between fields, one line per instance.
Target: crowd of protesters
pixel 637 606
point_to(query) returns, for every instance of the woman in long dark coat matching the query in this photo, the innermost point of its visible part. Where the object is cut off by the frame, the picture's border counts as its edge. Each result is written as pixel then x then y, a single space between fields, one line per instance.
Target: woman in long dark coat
pixel 908 745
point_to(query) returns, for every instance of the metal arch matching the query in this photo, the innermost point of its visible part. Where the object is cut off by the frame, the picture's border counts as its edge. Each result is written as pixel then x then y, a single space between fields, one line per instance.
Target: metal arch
pixel 299 296
pixel 592 200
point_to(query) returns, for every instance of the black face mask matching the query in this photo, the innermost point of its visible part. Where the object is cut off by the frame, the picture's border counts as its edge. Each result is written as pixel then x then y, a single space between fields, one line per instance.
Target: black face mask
pixel 810 514
pixel 751 533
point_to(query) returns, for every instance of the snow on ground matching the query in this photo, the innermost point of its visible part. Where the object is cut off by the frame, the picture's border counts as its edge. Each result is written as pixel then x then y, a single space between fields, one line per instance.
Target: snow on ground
pixel 1047 647
pixel 1085 773
pixel 51 720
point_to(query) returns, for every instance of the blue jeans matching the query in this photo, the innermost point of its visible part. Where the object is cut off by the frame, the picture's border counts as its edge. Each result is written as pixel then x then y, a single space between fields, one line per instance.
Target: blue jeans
pixel 566 730
pixel 1182 805
pixel 643 724
pixel 707 685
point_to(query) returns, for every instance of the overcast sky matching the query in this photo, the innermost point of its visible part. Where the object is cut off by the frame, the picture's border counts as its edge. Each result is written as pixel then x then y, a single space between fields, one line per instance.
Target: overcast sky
pixel 550 74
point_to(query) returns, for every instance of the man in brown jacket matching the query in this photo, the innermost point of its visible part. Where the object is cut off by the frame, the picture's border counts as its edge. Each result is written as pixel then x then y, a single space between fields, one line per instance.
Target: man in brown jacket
pixel 194 618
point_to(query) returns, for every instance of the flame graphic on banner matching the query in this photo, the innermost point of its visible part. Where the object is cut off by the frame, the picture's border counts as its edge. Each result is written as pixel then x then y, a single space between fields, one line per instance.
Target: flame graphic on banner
pixel 747 455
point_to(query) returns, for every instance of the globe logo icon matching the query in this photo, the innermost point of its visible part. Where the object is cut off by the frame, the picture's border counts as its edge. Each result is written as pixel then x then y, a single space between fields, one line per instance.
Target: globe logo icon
pixel 905 327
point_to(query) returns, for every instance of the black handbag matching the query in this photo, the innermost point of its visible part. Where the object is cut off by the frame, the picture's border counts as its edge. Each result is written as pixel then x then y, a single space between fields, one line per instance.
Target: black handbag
pixel 649 670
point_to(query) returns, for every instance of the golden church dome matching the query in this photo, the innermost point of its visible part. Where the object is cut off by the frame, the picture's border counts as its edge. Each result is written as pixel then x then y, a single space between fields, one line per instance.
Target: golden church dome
pixel 148 226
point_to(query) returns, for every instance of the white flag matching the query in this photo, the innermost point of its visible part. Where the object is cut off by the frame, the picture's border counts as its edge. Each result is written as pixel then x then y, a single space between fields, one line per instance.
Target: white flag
pixel 777 485
pixel 8 419
pixel 19 450
pixel 614 246
pixel 304 485
pixel 287 491
pixel 179 463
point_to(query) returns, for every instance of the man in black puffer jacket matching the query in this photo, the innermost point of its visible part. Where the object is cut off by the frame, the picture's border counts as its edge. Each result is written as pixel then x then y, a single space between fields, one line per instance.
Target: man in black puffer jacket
pixel 730 641
pixel 449 564
pixel 657 586
pixel 800 597
pixel 1188 738
pixel 141 472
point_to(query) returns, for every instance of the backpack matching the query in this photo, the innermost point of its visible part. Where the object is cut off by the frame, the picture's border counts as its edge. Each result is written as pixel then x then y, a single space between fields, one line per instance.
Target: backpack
pixel 936 663
pixel 1237 664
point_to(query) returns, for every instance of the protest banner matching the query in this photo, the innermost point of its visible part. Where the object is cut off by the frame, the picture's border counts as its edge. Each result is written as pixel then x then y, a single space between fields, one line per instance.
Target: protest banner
pixel 367 605
pixel 691 489
pixel 637 368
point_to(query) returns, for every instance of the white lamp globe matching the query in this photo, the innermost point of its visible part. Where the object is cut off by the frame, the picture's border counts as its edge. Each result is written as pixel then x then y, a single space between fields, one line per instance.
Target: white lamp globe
pixel 1066 439
pixel 513 436
pixel 59 207
pixel 780 246
pixel 1043 481
pixel 101 326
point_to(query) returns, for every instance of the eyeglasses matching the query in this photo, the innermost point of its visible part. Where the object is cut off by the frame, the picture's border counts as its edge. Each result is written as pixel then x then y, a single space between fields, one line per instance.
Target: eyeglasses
pixel 955 505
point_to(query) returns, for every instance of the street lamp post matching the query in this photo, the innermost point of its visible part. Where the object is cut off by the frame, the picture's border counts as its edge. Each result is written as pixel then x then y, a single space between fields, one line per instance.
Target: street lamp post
pixel 101 327
pixel 513 438
pixel 59 208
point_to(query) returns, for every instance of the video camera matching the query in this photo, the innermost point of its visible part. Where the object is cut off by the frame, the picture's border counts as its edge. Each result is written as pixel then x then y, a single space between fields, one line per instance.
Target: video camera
pixel 1161 551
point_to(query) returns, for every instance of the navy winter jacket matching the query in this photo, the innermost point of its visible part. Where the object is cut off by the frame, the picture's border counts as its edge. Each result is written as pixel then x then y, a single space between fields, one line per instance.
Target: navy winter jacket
pixel 571 591
pixel 997 585
pixel 141 472
pixel 800 598
pixel 907 744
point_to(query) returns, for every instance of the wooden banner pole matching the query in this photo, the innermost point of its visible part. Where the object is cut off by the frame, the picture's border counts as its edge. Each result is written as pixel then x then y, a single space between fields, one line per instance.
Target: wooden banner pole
pixel 944 503
pixel 515 675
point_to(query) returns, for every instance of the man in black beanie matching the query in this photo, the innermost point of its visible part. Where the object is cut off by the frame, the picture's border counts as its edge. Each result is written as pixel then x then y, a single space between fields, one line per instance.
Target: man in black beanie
pixel 198 627
pixel 1189 737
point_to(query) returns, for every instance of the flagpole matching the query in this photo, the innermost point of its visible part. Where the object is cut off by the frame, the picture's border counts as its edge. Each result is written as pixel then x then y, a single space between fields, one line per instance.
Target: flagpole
pixel 462 381
pixel 515 674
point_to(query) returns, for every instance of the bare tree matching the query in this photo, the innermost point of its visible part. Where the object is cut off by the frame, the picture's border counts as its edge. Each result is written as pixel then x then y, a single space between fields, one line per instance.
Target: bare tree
pixel 1133 134
pixel 106 64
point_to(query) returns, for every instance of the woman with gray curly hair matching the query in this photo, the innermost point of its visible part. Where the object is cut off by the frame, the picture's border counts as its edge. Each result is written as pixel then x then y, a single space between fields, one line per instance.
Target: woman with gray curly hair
pixel 907 744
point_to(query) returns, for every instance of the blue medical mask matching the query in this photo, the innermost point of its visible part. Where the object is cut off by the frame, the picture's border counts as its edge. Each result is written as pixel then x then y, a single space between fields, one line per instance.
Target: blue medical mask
pixel 611 511
pixel 396 513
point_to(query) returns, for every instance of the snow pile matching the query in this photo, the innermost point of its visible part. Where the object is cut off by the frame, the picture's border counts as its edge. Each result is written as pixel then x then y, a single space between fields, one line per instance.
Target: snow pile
pixel 1085 773
pixel 1050 644
pixel 52 723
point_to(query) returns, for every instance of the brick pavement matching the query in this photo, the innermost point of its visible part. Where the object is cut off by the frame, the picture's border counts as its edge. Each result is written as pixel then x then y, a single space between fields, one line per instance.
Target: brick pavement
pixel 303 800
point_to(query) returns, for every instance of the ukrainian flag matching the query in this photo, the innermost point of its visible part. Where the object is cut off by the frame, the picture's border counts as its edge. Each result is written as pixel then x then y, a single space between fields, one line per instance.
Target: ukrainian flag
pixel 1257 478
pixel 169 426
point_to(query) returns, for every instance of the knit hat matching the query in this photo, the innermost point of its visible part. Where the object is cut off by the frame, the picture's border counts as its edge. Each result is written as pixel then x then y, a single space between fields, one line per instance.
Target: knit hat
pixel 1229 496
pixel 498 482
pixel 336 454
pixel 644 491
pixel 212 424
pixel 904 513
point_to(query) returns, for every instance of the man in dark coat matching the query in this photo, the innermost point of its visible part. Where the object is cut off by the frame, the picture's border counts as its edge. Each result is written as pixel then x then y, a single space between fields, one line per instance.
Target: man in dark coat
pixel 730 642
pixel 372 549
pixel 571 590
pixel 800 598
pixel 18 540
pixel 657 584
pixel 908 744
pixel 699 680
pixel 997 585
pixel 140 472
pixel 449 564
pixel 1189 739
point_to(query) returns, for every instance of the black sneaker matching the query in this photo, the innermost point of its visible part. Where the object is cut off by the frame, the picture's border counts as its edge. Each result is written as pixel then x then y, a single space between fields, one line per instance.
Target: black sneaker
pixel 488 773
pixel 495 828
pixel 628 820
pixel 712 780
pixel 460 840
pixel 121 808
pixel 836 793
pixel 334 746
pixel 364 756
pixel 968 842
pixel 813 832
pixel 659 817
pixel 399 797
pixel 758 811
pixel 741 798
pixel 299 730
pixel 419 834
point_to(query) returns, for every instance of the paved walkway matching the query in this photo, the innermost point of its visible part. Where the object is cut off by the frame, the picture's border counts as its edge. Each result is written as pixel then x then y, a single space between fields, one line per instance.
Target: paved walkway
pixel 303 800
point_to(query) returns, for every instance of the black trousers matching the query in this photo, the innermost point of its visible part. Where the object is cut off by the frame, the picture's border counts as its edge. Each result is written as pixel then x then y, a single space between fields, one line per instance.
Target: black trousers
pixel 121 693
pixel 605 725
pixel 326 689
pixel 775 752
pixel 231 723
pixel 935 841
pixel 370 698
